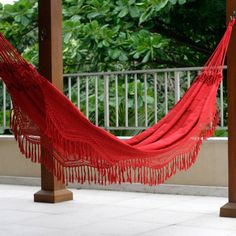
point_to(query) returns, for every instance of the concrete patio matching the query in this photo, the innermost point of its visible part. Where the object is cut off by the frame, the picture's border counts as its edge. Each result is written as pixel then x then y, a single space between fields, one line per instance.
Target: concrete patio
pixel 96 212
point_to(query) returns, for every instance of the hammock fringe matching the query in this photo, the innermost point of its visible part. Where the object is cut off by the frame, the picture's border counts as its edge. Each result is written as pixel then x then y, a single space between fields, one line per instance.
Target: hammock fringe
pixel 130 171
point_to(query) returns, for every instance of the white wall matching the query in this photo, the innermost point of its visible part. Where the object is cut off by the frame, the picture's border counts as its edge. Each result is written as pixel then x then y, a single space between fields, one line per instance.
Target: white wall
pixel 209 170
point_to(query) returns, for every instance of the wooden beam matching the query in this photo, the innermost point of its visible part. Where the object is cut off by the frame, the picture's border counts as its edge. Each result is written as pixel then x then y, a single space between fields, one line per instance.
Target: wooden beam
pixel 229 209
pixel 51 67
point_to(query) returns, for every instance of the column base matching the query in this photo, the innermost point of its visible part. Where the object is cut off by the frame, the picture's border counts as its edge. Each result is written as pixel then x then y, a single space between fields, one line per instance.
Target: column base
pixel 228 210
pixel 53 196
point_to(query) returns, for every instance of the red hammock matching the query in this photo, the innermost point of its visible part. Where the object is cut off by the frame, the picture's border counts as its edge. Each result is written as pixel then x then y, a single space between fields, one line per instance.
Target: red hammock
pixel 52 131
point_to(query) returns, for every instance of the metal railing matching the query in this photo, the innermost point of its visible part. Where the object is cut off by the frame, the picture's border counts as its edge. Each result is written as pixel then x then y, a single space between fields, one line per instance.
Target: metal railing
pixel 125 100
pixel 133 100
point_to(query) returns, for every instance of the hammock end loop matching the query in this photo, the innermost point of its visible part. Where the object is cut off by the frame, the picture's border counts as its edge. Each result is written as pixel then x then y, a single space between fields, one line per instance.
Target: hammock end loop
pixel 233 16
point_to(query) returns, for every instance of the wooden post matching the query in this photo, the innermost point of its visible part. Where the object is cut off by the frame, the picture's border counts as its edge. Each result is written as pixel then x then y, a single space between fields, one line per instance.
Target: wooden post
pixel 229 209
pixel 51 67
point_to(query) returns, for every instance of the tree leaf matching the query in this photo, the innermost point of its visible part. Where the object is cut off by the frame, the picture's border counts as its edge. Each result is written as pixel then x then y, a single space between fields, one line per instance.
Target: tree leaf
pixel 131 2
pixel 93 15
pixel 181 2
pixel 105 43
pixel 123 57
pixel 67 37
pixel 145 15
pixel 146 58
pixel 123 12
pixel 161 4
pixel 134 11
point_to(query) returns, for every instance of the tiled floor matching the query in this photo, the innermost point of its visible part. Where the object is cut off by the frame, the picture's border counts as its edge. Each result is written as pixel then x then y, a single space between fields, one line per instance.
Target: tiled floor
pixel 103 213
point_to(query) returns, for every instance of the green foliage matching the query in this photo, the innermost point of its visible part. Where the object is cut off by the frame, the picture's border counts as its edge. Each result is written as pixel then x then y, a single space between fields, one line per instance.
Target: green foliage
pixel 221 133
pixel 113 35
pixel 132 34
pixel 8 112
pixel 122 34
pixel 19 26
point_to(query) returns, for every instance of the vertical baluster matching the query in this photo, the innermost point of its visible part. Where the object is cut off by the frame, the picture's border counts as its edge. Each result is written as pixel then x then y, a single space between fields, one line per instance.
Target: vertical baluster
pixel 11 107
pixel 78 92
pixel 166 93
pixel 145 100
pixel 221 105
pixel 4 108
pixel 106 101
pixel 126 102
pixel 96 101
pixel 177 87
pixel 117 100
pixel 155 97
pixel 188 79
pixel 69 88
pixel 136 100
pixel 87 96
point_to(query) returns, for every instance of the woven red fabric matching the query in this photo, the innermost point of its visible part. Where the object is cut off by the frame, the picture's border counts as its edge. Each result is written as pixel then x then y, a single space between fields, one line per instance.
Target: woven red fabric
pixel 51 130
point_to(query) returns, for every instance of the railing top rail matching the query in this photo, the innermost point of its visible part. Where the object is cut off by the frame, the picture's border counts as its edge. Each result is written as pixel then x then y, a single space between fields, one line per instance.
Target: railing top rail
pixel 149 71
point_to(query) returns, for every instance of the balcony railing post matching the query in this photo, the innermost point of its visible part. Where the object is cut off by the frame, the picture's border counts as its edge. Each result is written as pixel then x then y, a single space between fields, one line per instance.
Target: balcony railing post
pixel 145 100
pixel 117 100
pixel 177 87
pixel 155 96
pixel 126 102
pixel 69 88
pixel 4 107
pixel 96 101
pixel 106 101
pixel 87 96
pixel 78 92
pixel 166 93
pixel 221 105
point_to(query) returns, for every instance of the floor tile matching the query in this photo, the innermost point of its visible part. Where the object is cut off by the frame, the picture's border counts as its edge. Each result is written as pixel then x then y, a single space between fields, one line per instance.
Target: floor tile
pixel 175 230
pixel 12 216
pixel 162 216
pixel 198 204
pixel 212 221
pixel 19 230
pixel 117 228
pixel 150 201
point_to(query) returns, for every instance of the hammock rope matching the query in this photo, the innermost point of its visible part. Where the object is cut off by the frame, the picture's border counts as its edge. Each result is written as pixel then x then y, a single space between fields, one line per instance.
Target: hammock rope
pixel 51 130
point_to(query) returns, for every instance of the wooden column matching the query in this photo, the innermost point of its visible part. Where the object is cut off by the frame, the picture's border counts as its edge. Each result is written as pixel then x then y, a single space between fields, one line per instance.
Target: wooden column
pixel 51 67
pixel 229 209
